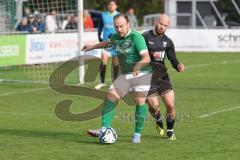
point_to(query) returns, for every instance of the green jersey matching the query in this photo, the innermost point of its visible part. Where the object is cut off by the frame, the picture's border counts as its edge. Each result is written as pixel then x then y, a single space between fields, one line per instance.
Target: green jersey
pixel 129 50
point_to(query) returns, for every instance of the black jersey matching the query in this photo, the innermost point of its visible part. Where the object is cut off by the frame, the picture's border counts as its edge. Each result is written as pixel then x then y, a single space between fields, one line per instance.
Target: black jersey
pixel 163 47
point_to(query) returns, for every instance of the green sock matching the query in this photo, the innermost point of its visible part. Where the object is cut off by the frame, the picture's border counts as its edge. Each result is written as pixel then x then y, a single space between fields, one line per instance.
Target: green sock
pixel 108 113
pixel 140 116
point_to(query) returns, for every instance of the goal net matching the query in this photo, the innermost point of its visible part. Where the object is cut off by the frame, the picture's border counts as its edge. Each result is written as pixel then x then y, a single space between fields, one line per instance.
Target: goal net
pixel 28 57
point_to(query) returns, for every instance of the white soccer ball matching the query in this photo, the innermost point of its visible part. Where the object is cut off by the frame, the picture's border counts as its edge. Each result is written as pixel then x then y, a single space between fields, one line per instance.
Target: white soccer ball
pixel 107 136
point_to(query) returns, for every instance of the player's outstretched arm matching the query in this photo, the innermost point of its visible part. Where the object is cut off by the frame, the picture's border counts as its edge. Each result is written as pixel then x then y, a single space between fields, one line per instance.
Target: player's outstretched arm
pixel 89 47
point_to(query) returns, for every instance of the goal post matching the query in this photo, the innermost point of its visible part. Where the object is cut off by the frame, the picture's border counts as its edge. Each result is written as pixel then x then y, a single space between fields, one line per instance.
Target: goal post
pixel 80 41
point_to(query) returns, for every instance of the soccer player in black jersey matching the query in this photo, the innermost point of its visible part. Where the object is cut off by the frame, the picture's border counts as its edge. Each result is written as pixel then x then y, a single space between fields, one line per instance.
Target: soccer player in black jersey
pixel 160 47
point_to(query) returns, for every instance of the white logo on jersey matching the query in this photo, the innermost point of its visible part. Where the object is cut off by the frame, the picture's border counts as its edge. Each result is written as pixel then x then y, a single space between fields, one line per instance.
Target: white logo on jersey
pixel 164 44
pixel 159 56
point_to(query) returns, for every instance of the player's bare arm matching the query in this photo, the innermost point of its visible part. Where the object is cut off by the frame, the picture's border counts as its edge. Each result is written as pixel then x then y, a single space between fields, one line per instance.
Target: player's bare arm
pixel 145 60
pixel 89 47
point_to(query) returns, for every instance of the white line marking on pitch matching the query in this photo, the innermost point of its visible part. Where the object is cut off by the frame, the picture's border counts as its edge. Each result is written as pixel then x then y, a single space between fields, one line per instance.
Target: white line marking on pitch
pixel 26 114
pixel 220 111
pixel 22 92
pixel 208 64
pixel 109 80
pixel 47 114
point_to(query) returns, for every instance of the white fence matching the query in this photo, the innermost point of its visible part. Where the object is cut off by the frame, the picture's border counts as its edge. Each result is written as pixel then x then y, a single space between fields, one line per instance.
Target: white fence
pixel 206 40
pixel 45 48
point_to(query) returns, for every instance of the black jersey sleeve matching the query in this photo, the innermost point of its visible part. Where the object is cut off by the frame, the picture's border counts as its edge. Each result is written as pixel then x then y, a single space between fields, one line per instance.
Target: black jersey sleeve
pixel 171 55
pixel 100 28
pixel 144 34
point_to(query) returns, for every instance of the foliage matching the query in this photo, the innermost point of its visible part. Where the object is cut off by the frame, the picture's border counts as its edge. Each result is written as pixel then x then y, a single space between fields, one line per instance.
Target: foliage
pixel 228 8
pixel 141 7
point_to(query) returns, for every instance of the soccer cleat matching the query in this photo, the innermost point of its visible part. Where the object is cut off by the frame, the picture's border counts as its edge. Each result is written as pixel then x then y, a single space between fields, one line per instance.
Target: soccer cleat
pixel 99 86
pixel 171 135
pixel 136 138
pixel 93 132
pixel 159 130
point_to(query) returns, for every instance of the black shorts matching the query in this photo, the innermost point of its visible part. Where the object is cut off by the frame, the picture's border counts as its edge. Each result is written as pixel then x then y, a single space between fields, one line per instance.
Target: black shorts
pixel 160 84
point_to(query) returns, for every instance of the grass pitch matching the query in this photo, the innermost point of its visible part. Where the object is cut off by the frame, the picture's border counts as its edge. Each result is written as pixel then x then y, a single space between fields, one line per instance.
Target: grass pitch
pixel 207 127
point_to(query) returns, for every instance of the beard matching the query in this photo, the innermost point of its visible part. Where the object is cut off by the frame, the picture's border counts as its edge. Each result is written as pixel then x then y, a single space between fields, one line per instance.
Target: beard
pixel 159 31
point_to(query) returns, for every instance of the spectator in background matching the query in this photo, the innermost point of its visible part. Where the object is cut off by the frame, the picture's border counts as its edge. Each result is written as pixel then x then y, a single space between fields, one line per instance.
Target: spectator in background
pixel 87 19
pixel 72 24
pixel 51 22
pixel 23 26
pixel 38 23
pixel 26 11
pixel 132 18
pixel 30 22
pixel 30 19
pixel 65 22
pixel 210 21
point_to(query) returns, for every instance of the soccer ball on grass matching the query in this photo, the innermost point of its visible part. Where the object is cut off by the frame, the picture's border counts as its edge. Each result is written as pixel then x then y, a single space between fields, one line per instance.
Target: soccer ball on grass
pixel 107 136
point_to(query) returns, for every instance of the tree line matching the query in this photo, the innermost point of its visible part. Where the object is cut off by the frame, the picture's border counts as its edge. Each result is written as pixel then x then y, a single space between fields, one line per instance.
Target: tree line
pixel 142 7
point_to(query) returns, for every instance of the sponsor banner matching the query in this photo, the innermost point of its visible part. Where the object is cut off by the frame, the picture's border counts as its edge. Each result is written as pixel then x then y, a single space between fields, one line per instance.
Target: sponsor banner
pixel 48 48
pixel 12 50
pixel 205 40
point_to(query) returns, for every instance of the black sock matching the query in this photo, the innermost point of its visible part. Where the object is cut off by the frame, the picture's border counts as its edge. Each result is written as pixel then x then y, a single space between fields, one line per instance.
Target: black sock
pixel 170 122
pixel 158 119
pixel 115 72
pixel 102 72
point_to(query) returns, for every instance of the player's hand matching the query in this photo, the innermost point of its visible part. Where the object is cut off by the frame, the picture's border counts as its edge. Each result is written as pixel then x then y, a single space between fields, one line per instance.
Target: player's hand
pixel 87 47
pixel 34 29
pixel 156 55
pixel 181 67
pixel 136 69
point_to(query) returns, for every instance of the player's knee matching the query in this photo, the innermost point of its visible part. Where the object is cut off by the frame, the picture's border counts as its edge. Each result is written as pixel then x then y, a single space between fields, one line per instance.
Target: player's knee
pixel 153 109
pixel 104 59
pixel 153 105
pixel 152 102
pixel 112 96
pixel 171 109
pixel 140 101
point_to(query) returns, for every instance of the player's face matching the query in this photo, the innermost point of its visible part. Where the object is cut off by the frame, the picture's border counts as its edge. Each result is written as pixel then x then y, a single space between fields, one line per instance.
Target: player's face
pixel 162 26
pixel 112 6
pixel 121 26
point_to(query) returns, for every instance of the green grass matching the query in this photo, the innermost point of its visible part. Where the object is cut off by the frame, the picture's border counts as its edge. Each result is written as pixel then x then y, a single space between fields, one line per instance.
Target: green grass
pixel 30 130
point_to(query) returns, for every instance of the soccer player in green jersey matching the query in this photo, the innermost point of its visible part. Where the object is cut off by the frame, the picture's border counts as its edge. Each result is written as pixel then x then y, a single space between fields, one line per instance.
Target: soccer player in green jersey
pixel 133 56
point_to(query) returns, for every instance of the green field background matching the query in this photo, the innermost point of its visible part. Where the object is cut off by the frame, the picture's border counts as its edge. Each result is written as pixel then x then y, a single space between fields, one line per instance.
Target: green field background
pixel 210 85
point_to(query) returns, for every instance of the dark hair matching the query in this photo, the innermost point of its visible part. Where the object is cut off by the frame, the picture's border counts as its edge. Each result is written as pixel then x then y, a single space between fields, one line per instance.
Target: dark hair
pixel 130 7
pixel 109 1
pixel 51 10
pixel 121 15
